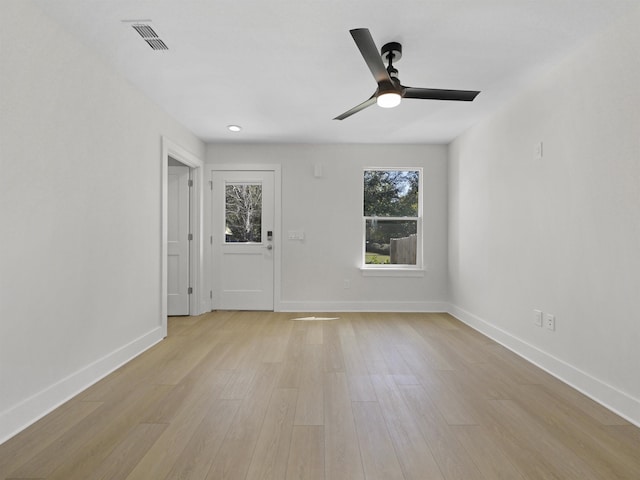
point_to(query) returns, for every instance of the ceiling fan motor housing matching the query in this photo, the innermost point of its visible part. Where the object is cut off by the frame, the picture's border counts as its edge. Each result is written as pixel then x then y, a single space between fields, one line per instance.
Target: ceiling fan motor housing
pixel 391 52
pixel 393 49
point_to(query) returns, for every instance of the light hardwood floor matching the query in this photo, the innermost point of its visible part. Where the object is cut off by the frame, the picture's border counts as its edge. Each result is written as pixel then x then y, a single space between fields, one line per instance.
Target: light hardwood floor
pixel 246 395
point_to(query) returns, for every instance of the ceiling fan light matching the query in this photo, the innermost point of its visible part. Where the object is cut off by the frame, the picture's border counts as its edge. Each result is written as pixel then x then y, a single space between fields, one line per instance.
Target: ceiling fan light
pixel 388 99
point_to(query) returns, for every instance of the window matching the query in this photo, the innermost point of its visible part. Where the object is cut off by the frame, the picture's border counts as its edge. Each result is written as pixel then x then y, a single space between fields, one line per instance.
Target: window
pixel 243 213
pixel 392 212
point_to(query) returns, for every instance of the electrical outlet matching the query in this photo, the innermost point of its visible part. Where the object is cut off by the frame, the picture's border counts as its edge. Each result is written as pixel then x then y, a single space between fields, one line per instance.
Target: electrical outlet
pixel 550 321
pixel 537 317
pixel 346 283
pixel 537 151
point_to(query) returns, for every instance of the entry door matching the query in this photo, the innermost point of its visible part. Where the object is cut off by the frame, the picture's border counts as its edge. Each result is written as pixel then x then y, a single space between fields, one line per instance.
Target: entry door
pixel 243 239
pixel 178 241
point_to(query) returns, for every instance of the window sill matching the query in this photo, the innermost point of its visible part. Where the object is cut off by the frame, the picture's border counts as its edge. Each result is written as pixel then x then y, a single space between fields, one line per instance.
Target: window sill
pixel 392 272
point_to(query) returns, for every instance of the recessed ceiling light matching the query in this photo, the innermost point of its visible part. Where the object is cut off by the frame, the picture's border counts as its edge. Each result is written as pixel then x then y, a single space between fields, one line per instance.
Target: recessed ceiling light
pixel 234 128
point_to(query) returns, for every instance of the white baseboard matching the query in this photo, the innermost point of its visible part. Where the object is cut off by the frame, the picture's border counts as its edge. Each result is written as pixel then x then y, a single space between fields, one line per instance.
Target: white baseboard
pixel 610 397
pixel 371 306
pixel 30 410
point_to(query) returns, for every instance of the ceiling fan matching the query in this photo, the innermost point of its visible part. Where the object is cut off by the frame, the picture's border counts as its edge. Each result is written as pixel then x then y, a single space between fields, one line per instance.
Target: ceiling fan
pixel 390 91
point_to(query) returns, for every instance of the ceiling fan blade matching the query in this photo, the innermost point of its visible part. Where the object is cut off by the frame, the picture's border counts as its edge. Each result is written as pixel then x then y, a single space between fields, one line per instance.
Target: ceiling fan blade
pixel 357 108
pixel 371 55
pixel 438 94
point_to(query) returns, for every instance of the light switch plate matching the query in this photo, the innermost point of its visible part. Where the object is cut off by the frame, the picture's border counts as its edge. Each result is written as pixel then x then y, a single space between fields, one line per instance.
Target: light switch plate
pixel 537 317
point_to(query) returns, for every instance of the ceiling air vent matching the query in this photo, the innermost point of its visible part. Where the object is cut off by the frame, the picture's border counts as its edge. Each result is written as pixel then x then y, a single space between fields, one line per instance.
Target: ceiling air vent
pixel 150 36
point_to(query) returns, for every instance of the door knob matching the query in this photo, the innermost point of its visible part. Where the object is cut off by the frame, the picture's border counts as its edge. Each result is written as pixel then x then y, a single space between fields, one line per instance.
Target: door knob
pixel 269 247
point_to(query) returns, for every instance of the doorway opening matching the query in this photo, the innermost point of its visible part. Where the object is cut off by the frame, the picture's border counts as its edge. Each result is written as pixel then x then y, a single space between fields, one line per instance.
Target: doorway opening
pixel 181 169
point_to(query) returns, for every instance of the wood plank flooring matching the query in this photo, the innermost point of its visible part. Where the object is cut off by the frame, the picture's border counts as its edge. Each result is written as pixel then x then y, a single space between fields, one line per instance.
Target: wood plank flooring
pixel 370 396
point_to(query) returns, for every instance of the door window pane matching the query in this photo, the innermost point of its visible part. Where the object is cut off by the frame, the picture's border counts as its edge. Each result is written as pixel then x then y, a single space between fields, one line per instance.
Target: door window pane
pixel 243 213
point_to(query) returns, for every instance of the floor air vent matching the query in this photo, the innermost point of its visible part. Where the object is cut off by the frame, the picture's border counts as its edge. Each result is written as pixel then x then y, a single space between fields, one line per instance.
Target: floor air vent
pixel 150 36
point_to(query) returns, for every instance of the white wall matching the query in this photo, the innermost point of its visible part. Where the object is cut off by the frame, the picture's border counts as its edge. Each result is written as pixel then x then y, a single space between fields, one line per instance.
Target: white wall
pixel 329 210
pixel 562 233
pixel 80 205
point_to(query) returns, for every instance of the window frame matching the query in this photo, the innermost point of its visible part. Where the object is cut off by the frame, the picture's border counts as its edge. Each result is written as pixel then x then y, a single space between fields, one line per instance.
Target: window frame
pixel 397 270
pixel 251 183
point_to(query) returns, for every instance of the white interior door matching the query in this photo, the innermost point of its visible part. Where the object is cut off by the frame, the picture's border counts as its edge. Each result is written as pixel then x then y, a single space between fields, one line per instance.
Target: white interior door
pixel 178 241
pixel 243 239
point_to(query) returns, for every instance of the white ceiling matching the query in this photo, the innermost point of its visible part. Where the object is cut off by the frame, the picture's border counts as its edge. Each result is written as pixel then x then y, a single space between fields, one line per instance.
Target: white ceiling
pixel 283 69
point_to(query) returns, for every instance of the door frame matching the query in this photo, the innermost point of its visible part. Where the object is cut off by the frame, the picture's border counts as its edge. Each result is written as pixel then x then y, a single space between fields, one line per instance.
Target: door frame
pixel 177 152
pixel 277 228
